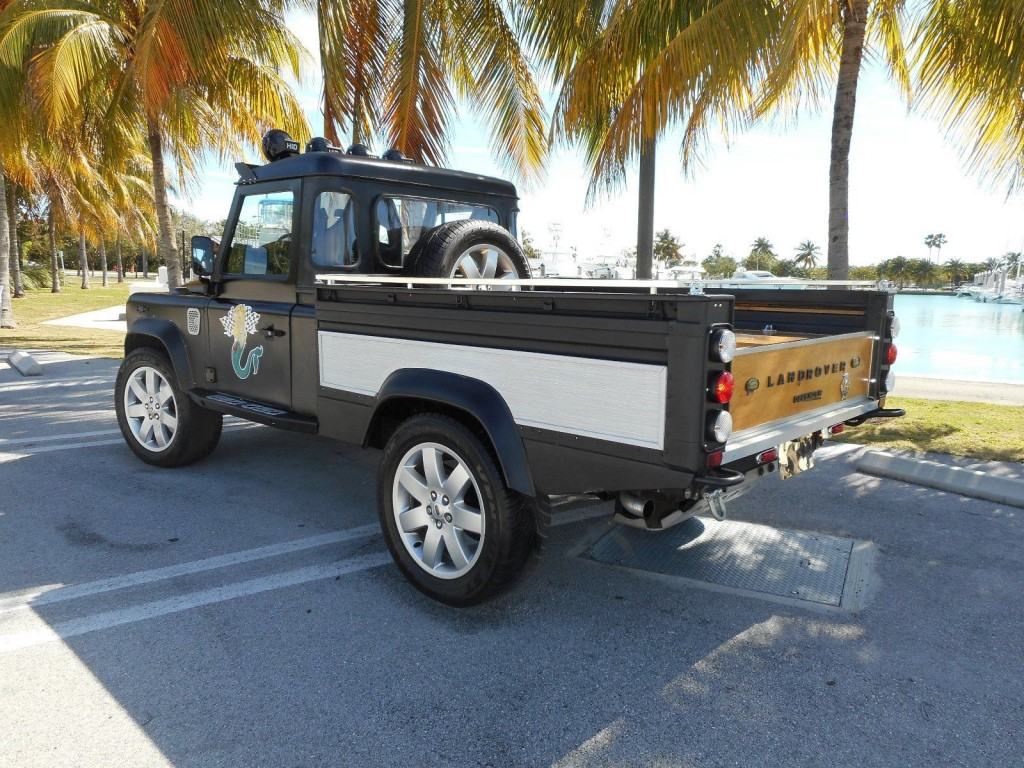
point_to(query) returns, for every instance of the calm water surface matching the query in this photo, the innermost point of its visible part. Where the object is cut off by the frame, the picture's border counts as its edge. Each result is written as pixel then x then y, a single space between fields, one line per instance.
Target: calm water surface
pixel 945 337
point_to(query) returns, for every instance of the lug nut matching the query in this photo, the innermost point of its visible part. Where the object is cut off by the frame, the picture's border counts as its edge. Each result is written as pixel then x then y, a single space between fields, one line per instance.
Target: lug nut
pixel 433 495
pixel 445 501
pixel 448 518
pixel 438 523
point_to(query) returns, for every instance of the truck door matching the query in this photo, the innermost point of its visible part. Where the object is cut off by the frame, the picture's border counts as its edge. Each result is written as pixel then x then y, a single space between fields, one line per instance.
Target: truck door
pixel 249 321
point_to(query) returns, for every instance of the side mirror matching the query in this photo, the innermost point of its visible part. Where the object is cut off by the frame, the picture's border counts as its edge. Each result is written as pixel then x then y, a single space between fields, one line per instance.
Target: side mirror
pixel 203 253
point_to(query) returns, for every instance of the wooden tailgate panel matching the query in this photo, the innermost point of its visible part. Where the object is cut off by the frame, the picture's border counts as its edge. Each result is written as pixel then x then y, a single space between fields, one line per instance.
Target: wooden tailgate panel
pixel 775 382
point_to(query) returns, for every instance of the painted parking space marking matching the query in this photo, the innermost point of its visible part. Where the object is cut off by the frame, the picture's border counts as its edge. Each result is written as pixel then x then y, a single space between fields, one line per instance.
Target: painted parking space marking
pixel 7 456
pixel 77 381
pixel 108 619
pixel 39 597
pixel 229 421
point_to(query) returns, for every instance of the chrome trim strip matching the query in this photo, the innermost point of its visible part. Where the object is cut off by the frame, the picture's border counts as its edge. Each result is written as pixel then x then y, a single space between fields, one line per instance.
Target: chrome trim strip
pixel 756 439
pixel 802 343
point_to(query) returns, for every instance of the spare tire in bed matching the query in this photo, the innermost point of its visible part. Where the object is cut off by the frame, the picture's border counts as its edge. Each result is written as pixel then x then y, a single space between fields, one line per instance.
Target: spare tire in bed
pixel 470 248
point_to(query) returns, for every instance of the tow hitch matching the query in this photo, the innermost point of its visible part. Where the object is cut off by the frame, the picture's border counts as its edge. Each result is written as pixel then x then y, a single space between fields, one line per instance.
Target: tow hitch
pixel 716 503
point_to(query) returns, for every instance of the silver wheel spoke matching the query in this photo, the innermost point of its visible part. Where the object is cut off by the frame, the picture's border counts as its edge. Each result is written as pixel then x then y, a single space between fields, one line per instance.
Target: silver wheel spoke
pixel 432 467
pixel 145 430
pixel 414 519
pixel 432 549
pixel 136 411
pixel 159 434
pixel 164 394
pixel 458 482
pixel 467 518
pixel 454 546
pixel 169 421
pixel 413 484
pixel 137 389
pixel 151 388
pixel 468 265
pixel 490 263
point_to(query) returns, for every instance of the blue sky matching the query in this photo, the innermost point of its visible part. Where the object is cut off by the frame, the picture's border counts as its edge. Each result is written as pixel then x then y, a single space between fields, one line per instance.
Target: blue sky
pixel 906 181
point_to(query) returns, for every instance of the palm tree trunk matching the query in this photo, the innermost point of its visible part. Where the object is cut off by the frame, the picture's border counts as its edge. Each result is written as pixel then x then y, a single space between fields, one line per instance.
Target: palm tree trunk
pixel 103 261
pixel 51 231
pixel 645 213
pixel 855 14
pixel 83 256
pixel 166 247
pixel 120 260
pixel 12 221
pixel 6 311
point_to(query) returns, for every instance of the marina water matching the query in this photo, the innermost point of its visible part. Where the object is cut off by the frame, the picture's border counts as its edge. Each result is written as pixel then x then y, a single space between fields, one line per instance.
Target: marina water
pixel 944 337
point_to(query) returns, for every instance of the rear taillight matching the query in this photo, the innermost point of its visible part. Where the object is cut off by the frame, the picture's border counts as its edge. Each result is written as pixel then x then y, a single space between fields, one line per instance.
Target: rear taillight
pixel 766 457
pixel 890 354
pixel 894 327
pixel 720 387
pixel 715 459
pixel 890 381
pixel 835 429
pixel 719 426
pixel 723 345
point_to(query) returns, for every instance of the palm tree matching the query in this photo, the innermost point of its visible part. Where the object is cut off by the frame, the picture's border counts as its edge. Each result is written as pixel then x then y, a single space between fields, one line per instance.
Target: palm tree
pixel 938 240
pixel 628 71
pixel 172 75
pixel 954 269
pixel 807 254
pixel 970 61
pixel 400 69
pixel 898 269
pixel 762 249
pixel 929 240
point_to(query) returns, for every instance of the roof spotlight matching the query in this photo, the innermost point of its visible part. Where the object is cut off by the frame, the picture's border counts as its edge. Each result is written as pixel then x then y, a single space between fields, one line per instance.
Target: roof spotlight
pixel 277 145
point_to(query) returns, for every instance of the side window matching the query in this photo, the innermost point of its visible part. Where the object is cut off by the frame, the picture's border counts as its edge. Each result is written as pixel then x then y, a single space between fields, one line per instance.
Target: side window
pixel 334 230
pixel 263 234
pixel 401 222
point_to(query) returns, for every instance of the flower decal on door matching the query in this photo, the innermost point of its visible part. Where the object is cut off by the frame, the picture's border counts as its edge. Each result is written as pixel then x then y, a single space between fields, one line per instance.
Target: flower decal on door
pixel 239 322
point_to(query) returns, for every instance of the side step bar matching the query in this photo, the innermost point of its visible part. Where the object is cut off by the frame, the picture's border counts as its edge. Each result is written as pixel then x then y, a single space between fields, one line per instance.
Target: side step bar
pixel 254 411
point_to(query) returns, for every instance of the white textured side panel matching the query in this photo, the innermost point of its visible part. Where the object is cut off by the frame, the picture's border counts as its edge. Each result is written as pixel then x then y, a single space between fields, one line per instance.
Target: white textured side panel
pixel 605 399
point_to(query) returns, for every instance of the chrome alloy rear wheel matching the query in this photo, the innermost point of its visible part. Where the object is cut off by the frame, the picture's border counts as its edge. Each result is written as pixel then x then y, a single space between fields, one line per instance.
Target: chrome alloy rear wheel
pixel 150 408
pixel 438 510
pixel 486 262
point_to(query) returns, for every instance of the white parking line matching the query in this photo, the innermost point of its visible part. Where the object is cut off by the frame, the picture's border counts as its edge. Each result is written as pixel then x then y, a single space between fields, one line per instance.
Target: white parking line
pixel 51 438
pixel 108 619
pixel 31 451
pixel 47 596
pixel 90 381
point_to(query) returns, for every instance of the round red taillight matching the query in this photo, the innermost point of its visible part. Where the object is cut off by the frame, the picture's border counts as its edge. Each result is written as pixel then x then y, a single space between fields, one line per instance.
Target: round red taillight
pixel 890 354
pixel 721 387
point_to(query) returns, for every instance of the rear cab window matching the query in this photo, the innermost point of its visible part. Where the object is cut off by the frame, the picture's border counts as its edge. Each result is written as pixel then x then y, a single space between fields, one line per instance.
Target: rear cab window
pixel 401 222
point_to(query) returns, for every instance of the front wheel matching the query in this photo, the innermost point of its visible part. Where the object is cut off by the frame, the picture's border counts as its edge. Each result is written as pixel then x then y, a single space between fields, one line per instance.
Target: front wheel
pixel 453 527
pixel 157 419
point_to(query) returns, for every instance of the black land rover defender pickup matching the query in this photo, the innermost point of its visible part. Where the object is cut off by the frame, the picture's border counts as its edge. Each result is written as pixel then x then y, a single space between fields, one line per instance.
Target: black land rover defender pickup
pixel 361 298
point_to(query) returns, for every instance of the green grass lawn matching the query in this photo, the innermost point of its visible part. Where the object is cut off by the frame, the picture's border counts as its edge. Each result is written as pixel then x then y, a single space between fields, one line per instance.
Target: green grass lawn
pixel 980 430
pixel 40 305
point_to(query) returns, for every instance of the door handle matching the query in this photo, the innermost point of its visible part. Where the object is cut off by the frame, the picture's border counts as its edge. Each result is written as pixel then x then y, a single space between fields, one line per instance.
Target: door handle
pixel 270 332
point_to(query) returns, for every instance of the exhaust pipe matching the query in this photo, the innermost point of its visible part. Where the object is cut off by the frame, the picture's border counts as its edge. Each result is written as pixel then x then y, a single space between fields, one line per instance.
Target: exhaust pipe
pixel 636 506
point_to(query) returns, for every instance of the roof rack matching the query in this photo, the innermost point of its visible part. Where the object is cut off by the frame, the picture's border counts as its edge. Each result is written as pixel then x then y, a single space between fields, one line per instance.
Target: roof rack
pixel 653 286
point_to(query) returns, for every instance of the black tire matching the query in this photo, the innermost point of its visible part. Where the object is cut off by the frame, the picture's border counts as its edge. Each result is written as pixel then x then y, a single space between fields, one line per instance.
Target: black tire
pixel 509 531
pixel 437 253
pixel 197 430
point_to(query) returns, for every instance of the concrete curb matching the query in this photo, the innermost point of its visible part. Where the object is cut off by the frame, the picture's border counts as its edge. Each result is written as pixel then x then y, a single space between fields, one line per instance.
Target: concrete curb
pixel 24 363
pixel 966 482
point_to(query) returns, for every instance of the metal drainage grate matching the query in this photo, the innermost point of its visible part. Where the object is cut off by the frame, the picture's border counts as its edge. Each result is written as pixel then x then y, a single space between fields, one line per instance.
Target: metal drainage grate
pixel 738 555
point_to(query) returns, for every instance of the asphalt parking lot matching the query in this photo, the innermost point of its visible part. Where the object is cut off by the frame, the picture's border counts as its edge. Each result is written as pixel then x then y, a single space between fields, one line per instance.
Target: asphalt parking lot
pixel 244 612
